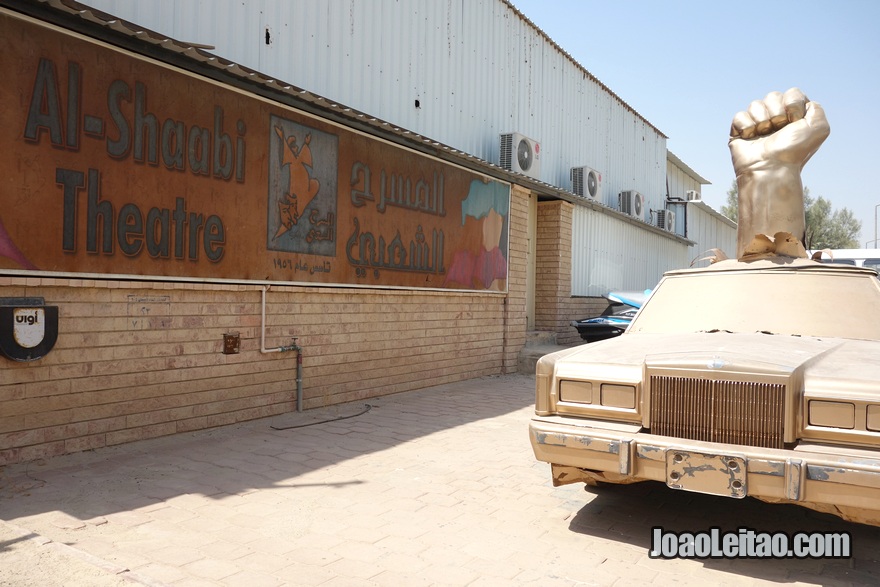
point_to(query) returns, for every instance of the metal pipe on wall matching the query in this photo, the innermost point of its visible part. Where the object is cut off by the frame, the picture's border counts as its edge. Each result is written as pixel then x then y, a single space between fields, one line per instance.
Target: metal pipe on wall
pixel 281 349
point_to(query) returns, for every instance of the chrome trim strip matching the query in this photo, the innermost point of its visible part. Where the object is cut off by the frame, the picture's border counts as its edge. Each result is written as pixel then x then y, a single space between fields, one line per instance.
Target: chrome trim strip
pixel 795 475
pixel 625 457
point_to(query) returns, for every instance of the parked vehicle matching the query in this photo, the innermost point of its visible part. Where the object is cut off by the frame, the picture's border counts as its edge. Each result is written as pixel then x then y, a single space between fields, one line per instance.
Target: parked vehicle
pixel 738 379
pixel 614 320
pixel 857 257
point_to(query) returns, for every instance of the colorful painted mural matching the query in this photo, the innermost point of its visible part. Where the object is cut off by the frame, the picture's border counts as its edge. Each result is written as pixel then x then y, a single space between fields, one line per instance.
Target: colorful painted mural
pixel 116 164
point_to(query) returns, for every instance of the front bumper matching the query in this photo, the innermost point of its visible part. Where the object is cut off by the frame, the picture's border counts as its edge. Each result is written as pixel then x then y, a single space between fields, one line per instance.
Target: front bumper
pixel 840 478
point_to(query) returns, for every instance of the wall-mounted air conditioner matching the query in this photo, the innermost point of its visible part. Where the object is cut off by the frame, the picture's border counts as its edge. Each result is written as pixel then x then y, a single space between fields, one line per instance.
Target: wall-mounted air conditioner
pixel 521 154
pixel 632 203
pixel 666 220
pixel 693 196
pixel 586 182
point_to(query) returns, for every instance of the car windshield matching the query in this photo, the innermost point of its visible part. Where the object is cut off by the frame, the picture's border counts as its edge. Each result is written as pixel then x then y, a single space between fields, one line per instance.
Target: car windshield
pixel 806 303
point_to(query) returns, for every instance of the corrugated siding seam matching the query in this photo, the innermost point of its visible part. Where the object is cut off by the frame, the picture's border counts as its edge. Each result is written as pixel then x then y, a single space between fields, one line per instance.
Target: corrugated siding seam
pixel 611 254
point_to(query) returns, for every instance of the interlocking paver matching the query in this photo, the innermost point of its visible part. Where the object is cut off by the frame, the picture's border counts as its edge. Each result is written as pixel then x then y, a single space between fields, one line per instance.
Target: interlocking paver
pixel 450 574
pixel 359 551
pixel 211 568
pixel 353 569
pixel 312 556
pixel 176 555
pixel 226 550
pixel 262 561
pixel 396 579
pixel 436 487
pixel 252 579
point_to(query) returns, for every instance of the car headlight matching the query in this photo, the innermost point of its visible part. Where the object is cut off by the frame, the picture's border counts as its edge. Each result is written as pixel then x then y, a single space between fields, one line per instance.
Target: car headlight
pixel 838 419
pixel 832 414
pixel 602 399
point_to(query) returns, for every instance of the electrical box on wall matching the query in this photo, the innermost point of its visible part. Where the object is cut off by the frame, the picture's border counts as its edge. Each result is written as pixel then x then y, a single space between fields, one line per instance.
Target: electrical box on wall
pixel 231 343
pixel 28 328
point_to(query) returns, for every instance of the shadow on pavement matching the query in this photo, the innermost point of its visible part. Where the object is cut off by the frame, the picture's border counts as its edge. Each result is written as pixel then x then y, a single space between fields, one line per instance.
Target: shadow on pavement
pixel 628 513
pixel 245 457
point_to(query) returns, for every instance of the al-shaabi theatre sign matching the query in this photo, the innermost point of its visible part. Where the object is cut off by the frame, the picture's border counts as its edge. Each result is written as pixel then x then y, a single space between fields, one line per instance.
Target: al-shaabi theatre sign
pixel 115 164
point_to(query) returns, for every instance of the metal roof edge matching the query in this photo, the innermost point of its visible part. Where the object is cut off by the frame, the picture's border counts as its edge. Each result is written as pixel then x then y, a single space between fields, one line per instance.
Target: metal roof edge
pixel 676 160
pixel 130 36
pixel 105 27
pixel 586 72
pixel 713 212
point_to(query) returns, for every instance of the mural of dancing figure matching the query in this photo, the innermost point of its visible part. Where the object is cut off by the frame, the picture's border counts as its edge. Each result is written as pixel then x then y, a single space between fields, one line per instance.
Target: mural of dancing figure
pixel 302 187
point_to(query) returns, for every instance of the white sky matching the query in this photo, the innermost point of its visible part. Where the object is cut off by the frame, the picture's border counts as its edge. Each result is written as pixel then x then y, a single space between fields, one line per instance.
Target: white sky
pixel 689 65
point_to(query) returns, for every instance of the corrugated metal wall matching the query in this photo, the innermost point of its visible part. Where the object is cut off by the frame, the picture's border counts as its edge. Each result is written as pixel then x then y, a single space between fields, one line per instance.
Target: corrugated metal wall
pixel 709 230
pixel 477 70
pixel 680 182
pixel 614 254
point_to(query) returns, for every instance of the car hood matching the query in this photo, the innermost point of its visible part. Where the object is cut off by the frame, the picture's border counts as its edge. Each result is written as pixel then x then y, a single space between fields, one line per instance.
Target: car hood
pixel 624 357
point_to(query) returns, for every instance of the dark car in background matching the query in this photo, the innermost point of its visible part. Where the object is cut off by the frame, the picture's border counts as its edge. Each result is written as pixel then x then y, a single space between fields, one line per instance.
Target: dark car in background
pixel 615 319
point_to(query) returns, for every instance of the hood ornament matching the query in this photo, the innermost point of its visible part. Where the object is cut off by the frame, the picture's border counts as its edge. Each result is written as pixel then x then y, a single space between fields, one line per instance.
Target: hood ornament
pixel 716 363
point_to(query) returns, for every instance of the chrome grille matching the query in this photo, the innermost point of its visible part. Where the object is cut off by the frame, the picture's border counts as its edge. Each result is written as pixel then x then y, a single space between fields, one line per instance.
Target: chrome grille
pixel 735 412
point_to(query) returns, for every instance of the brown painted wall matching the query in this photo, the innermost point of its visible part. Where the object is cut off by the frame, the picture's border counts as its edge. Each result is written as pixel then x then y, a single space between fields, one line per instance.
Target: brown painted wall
pixel 116 164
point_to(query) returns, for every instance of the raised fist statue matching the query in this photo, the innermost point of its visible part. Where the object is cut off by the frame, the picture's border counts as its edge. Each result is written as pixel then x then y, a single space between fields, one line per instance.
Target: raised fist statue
pixel 770 143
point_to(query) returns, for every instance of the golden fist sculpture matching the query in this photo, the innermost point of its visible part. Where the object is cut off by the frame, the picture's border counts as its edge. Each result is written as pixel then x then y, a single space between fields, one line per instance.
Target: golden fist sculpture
pixel 770 142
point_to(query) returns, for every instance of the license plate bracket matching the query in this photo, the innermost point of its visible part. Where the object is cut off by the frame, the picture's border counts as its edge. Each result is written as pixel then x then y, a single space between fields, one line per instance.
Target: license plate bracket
pixel 712 474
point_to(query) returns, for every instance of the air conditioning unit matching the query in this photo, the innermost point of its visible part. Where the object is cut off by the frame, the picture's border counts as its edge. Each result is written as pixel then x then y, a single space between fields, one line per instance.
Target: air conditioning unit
pixel 632 203
pixel 586 182
pixel 693 196
pixel 666 220
pixel 521 154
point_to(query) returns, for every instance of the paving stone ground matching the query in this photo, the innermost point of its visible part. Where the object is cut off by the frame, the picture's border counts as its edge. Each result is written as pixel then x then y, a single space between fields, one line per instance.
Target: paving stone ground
pixel 434 487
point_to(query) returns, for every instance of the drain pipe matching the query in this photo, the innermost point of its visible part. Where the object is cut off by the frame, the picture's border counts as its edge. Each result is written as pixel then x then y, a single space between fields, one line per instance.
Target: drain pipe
pixel 282 349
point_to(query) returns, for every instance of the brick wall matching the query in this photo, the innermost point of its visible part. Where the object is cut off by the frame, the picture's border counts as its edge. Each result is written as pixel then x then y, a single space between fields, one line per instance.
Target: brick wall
pixel 554 306
pixel 515 304
pixel 136 360
pixel 139 359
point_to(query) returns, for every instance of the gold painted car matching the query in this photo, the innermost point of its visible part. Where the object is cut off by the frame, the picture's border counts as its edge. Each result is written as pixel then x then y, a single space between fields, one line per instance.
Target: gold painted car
pixel 757 378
